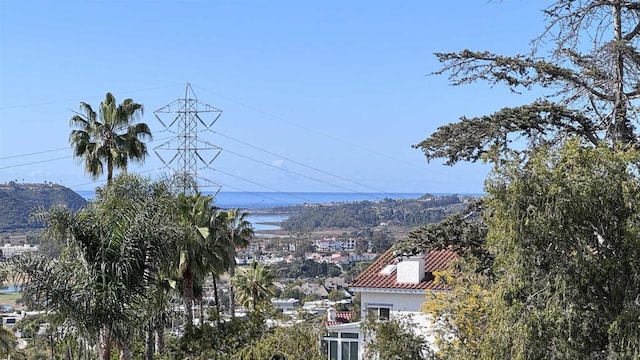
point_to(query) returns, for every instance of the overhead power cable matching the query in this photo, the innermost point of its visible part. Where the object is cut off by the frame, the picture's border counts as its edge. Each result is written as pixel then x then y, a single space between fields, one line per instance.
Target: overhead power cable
pixel 279 118
pixel 33 153
pixel 301 164
pixel 265 186
pixel 257 195
pixel 82 99
pixel 296 173
pixel 34 162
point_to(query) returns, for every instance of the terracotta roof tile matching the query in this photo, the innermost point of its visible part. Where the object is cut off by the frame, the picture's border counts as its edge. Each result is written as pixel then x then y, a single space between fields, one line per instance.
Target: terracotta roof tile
pixel 373 279
pixel 342 317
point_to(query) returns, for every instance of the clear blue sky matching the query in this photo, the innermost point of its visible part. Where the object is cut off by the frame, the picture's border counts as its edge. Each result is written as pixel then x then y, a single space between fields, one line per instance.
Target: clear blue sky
pixel 333 92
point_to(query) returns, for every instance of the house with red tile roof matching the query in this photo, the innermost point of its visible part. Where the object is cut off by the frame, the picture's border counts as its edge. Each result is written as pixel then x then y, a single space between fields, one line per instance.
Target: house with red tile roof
pixel 392 286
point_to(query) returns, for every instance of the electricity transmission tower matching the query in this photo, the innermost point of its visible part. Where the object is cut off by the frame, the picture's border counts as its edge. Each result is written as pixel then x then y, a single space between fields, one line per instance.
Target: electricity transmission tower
pixel 185 152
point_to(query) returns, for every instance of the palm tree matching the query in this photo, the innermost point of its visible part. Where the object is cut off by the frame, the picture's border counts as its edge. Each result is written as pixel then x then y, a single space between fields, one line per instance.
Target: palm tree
pixel 109 136
pixel 197 250
pixel 254 284
pixel 236 232
pixel 220 263
pixel 120 242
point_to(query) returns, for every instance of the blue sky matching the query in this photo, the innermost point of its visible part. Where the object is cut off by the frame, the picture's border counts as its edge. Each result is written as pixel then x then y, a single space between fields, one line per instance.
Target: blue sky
pixel 316 96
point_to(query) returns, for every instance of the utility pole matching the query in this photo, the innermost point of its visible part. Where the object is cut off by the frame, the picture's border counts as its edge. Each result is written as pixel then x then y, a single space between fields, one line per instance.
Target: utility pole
pixel 186 152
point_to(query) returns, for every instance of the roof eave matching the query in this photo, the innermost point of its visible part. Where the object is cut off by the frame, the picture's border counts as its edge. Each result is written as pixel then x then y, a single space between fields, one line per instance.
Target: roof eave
pixel 393 290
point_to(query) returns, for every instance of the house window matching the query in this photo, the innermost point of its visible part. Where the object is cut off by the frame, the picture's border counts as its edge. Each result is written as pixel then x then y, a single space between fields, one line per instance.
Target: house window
pixel 341 346
pixel 350 350
pixel 333 350
pixel 379 312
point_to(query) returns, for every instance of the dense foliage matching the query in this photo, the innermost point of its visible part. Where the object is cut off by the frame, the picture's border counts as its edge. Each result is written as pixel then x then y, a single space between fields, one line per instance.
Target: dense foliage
pixel 561 281
pixel 18 201
pixel 395 339
pixel 305 269
pixel 549 270
pixel 113 250
pixel 247 339
pixel 405 212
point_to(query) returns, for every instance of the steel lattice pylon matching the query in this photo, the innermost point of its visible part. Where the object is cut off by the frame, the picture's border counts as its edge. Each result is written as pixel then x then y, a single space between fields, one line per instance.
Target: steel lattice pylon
pixel 186 150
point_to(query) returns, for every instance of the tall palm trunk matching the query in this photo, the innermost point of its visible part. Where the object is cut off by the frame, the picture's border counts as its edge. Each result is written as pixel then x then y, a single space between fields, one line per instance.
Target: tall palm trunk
pixel 232 296
pixel 109 165
pixel 160 338
pixel 105 343
pixel 188 296
pixel 215 298
pixel 150 341
pixel 254 299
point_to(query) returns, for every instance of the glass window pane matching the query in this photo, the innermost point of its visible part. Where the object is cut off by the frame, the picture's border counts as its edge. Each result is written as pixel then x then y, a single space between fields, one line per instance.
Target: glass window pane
pixel 333 350
pixel 384 313
pixel 345 351
pixel 372 312
pixel 349 335
pixel 354 351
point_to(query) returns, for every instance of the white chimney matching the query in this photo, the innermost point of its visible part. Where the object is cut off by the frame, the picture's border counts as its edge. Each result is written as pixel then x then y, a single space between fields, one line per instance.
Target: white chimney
pixel 411 269
pixel 331 314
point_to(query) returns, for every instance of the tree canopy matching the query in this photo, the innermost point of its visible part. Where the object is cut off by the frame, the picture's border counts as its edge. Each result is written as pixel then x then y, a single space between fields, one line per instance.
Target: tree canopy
pixel 549 263
pixel 113 251
pixel 110 136
pixel 563 235
pixel 589 74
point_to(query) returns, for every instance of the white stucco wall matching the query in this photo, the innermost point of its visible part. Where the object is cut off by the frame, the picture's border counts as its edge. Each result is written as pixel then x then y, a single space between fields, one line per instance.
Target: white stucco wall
pixel 403 305
pixel 399 301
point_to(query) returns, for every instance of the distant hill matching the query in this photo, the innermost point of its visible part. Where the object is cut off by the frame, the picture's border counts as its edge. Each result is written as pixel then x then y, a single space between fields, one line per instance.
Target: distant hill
pixel 18 201
pixel 400 212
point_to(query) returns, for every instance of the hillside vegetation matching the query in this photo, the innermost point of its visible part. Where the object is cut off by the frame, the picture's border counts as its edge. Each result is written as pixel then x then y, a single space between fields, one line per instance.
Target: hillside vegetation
pixel 404 212
pixel 18 201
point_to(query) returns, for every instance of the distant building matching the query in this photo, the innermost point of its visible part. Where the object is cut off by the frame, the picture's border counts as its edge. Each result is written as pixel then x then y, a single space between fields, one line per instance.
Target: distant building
pixel 335 283
pixel 331 244
pixel 286 305
pixel 314 289
pixel 9 250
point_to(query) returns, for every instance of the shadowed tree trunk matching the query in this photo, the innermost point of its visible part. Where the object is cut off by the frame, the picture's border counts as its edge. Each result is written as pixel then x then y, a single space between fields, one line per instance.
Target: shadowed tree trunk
pixel 125 351
pixel 150 342
pixel 201 314
pixel 188 296
pixel 105 343
pixel 232 296
pixel 159 339
pixel 215 298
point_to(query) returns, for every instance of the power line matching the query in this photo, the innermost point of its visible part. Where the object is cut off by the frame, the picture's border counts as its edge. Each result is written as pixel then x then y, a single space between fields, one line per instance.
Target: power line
pixel 265 186
pixel 81 99
pixel 33 153
pixel 237 154
pixel 104 181
pixel 306 128
pixel 298 174
pixel 256 194
pixel 301 164
pixel 33 163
